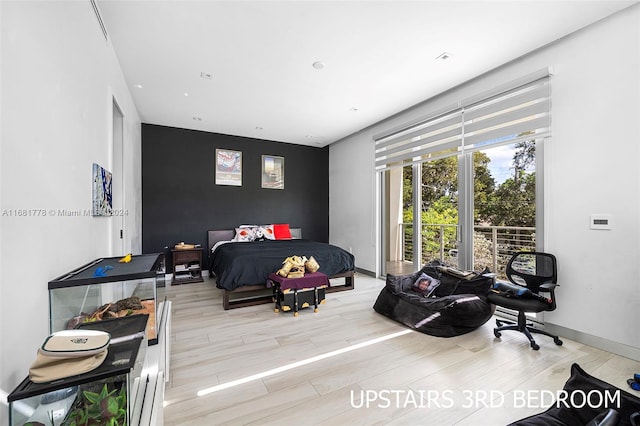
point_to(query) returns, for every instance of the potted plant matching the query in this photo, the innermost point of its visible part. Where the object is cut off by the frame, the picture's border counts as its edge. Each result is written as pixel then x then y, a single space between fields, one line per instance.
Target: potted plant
pixel 103 408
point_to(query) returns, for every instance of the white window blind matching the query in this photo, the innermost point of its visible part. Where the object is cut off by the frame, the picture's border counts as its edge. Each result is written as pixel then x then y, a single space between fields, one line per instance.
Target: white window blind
pixel 520 111
pixel 438 136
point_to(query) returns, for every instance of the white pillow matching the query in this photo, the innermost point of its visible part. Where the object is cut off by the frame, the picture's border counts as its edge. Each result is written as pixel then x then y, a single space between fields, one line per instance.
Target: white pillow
pixel 267 232
pixel 244 235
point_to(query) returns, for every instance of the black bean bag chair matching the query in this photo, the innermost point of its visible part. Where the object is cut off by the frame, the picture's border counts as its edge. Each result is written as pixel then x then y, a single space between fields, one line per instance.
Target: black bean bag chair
pixel 456 306
pixel 586 400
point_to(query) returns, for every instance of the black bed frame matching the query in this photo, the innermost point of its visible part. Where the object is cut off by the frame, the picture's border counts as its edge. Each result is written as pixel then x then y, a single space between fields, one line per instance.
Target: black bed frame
pixel 250 295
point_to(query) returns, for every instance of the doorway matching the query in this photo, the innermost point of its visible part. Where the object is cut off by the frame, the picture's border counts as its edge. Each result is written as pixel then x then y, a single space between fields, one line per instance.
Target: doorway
pixel 117 182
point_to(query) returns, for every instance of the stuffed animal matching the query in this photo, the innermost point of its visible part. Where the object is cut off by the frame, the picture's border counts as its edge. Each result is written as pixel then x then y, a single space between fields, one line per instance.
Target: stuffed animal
pixel 293 267
pixel 285 269
pixel 311 265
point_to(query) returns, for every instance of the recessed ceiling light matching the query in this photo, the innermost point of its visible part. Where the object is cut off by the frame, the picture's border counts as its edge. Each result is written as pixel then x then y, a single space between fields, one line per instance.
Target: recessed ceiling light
pixel 309 136
pixel 318 65
pixel 206 75
pixel 186 94
pixel 139 86
pixel 258 128
pixel 443 56
pixel 197 118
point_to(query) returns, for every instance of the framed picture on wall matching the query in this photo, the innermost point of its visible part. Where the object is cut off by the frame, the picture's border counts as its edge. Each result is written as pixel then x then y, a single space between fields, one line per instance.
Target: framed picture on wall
pixel 102 204
pixel 228 167
pixel 272 172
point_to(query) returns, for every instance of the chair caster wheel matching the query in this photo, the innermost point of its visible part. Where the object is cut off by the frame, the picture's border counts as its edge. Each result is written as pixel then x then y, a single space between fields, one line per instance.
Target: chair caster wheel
pixel 535 346
pixel 557 341
pixel 496 333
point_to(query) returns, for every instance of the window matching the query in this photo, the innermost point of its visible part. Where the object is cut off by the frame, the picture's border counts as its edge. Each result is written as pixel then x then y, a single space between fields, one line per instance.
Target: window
pixel 445 160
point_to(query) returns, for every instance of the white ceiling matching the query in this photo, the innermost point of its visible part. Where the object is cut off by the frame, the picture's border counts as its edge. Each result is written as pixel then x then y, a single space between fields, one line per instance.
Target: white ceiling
pixel 380 57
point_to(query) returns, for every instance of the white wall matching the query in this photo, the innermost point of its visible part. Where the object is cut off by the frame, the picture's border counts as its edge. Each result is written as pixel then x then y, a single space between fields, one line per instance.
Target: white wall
pixel 591 166
pixel 59 76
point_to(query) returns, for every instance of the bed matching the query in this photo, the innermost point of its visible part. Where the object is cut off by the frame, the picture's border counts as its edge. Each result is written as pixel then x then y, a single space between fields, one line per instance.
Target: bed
pixel 241 268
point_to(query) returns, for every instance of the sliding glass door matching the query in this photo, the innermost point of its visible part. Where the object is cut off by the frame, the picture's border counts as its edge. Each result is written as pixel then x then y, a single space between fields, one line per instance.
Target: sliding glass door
pixel 439 227
pixel 507 198
pixel 420 215
pixel 398 227
pixel 471 210
pixel 463 185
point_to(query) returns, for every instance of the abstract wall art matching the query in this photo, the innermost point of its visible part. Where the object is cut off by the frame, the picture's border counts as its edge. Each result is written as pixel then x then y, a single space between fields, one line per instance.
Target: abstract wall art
pixel 102 195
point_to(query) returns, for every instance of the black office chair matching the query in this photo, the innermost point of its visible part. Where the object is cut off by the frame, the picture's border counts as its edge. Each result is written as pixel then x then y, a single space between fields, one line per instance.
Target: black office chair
pixel 533 277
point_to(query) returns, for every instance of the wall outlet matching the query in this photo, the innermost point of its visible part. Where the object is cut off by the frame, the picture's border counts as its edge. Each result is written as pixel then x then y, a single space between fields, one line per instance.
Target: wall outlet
pixel 601 221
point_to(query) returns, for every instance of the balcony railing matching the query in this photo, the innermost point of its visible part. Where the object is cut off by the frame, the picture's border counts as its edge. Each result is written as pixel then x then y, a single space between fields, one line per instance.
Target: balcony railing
pixel 493 245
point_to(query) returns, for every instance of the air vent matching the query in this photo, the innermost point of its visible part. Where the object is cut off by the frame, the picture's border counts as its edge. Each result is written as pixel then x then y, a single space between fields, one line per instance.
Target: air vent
pixel 99 17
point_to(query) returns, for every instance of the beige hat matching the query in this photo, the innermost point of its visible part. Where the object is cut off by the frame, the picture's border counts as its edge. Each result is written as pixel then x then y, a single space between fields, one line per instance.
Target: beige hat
pixel 49 368
pixel 69 353
pixel 75 343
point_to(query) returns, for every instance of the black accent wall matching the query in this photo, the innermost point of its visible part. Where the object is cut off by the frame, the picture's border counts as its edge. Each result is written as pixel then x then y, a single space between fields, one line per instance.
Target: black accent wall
pixel 180 200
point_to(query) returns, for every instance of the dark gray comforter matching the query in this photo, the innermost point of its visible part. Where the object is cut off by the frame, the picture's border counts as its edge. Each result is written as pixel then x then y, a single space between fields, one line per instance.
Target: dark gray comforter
pixel 250 263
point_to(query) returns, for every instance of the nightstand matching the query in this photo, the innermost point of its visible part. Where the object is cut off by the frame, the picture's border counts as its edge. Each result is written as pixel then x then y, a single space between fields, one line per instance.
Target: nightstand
pixel 187 266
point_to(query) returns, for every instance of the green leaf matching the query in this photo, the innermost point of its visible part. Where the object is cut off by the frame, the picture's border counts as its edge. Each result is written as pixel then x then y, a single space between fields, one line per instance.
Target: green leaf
pixel 92 397
pixel 112 406
pixel 122 414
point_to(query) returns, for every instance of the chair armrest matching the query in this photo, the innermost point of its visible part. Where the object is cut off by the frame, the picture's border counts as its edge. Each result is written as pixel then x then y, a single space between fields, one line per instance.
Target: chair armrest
pixel 547 287
pixel 609 417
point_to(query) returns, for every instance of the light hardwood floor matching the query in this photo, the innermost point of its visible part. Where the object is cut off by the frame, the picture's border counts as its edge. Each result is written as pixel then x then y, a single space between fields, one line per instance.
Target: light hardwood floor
pixel 472 379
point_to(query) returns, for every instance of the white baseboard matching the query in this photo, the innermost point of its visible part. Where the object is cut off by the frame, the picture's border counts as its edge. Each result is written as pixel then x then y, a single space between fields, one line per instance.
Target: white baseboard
pixel 594 341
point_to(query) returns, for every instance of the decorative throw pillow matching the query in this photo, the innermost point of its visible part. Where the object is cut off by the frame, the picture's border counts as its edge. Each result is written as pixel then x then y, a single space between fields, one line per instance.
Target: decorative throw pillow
pixel 267 232
pixel 425 285
pixel 244 235
pixel 281 231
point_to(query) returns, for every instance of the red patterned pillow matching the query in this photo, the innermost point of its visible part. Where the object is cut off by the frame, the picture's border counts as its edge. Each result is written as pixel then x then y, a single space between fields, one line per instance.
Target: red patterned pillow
pixel 282 231
pixel 267 232
pixel 244 235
